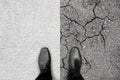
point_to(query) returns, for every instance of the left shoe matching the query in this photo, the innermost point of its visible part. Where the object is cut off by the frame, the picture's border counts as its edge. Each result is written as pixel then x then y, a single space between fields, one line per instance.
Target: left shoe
pixel 44 60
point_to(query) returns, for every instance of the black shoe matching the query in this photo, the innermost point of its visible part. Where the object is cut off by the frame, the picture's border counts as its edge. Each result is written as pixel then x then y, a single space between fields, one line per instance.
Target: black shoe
pixel 75 59
pixel 44 60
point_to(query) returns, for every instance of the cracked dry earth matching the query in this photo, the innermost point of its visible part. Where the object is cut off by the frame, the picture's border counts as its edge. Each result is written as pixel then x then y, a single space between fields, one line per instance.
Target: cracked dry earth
pixel 94 27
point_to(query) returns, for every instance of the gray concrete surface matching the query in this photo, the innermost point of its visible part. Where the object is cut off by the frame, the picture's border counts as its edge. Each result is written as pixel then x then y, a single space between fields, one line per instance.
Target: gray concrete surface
pixel 94 27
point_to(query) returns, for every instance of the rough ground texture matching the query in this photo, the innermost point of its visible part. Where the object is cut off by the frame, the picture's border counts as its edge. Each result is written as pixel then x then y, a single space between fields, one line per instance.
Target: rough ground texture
pixel 94 27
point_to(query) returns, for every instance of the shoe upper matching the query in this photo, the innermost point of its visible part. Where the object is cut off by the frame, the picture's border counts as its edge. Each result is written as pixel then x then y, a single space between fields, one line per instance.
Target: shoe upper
pixel 44 60
pixel 75 59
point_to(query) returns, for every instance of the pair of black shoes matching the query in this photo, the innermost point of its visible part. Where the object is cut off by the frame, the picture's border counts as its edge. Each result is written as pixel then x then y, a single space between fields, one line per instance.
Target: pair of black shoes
pixel 75 62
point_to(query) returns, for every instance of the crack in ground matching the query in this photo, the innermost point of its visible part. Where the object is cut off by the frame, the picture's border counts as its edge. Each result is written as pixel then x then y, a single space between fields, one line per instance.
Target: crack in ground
pixel 66 4
pixel 95 17
pixel 63 66
pixel 87 63
pixel 84 27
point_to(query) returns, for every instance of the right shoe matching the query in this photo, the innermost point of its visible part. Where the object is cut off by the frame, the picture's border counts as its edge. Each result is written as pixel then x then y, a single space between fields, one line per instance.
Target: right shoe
pixel 44 60
pixel 75 59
